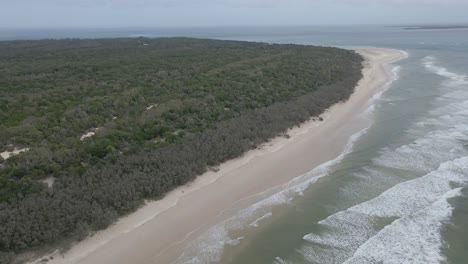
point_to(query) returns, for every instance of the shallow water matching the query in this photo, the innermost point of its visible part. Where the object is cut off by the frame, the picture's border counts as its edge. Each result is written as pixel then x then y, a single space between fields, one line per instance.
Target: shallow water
pixel 398 194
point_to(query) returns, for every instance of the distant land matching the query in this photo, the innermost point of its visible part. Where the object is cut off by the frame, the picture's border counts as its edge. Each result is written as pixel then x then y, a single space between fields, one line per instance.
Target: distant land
pixel 436 27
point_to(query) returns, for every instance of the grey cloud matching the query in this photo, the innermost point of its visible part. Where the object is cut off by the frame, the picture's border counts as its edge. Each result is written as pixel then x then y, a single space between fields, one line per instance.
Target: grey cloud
pixel 63 13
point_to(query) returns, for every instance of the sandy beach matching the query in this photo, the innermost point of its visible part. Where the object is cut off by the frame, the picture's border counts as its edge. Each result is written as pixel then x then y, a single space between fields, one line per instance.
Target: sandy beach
pixel 159 231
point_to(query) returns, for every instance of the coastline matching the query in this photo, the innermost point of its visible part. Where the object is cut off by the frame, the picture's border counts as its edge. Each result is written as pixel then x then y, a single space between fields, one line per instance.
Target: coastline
pixel 159 231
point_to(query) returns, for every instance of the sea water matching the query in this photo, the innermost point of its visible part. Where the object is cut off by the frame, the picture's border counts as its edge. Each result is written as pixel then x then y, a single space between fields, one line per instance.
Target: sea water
pixel 399 191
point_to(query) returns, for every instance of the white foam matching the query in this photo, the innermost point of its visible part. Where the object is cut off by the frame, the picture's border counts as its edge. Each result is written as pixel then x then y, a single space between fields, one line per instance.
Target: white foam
pixel 403 198
pixel 370 181
pixel 340 235
pixel 457 94
pixel 394 74
pixel 420 204
pixel 206 249
pixel 454 78
pixel 344 232
pixel 279 260
pixel 425 153
pixel 235 242
pixel 452 110
pixel 209 246
pixel 352 227
pixel 414 159
pixel 440 143
pixel 257 221
pixel 414 238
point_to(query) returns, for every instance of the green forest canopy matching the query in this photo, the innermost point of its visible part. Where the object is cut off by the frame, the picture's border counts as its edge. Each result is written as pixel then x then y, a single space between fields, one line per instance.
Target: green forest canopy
pixel 162 111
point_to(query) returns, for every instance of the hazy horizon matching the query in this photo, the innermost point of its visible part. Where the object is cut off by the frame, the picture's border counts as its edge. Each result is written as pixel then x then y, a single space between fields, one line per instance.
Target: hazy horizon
pixel 32 14
pixel 230 26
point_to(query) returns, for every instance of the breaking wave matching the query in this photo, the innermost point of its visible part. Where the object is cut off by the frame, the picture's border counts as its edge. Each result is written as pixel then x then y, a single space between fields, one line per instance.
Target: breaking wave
pixel 209 247
pixel 405 220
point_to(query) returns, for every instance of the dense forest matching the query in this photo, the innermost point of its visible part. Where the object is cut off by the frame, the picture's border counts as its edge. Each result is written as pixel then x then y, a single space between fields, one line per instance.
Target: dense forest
pixel 107 123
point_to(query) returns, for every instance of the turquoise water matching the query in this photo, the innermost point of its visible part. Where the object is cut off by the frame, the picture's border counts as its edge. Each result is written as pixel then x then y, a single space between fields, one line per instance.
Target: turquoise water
pixel 398 194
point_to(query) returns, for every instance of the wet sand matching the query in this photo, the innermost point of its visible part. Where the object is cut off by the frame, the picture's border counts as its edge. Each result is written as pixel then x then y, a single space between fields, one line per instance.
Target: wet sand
pixel 159 231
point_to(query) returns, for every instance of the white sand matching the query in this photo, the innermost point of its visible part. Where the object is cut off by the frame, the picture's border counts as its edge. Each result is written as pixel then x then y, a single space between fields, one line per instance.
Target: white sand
pixel 89 134
pixel 7 154
pixel 151 106
pixel 49 181
pixel 159 231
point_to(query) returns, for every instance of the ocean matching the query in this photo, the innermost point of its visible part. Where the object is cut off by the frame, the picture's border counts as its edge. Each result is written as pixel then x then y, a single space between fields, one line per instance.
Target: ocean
pixel 399 191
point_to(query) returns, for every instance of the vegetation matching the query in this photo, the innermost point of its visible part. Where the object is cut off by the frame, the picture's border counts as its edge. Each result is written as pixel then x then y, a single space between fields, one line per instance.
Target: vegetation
pixel 162 110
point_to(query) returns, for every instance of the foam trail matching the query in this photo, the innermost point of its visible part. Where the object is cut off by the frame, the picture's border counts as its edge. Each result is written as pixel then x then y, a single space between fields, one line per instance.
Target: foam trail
pixel 345 231
pixel 342 233
pixel 420 205
pixel 402 199
pixel 415 237
pixel 449 112
pixel 279 260
pixel 408 161
pixel 394 74
pixel 455 79
pixel 209 247
pixel 256 222
pixel 235 242
pixel 425 153
pixel 439 142
pixel 452 116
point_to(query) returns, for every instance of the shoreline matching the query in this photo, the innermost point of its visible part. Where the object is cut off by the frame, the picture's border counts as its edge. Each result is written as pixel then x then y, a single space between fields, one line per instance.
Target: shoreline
pixel 159 231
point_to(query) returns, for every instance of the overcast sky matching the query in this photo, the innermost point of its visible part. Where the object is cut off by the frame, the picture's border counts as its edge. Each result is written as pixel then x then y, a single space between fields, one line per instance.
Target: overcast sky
pixel 179 13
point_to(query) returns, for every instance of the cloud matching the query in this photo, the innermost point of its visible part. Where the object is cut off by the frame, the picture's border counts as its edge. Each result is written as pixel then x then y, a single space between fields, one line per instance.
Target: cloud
pixel 63 13
pixel 404 2
pixel 239 3
pixel 167 3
